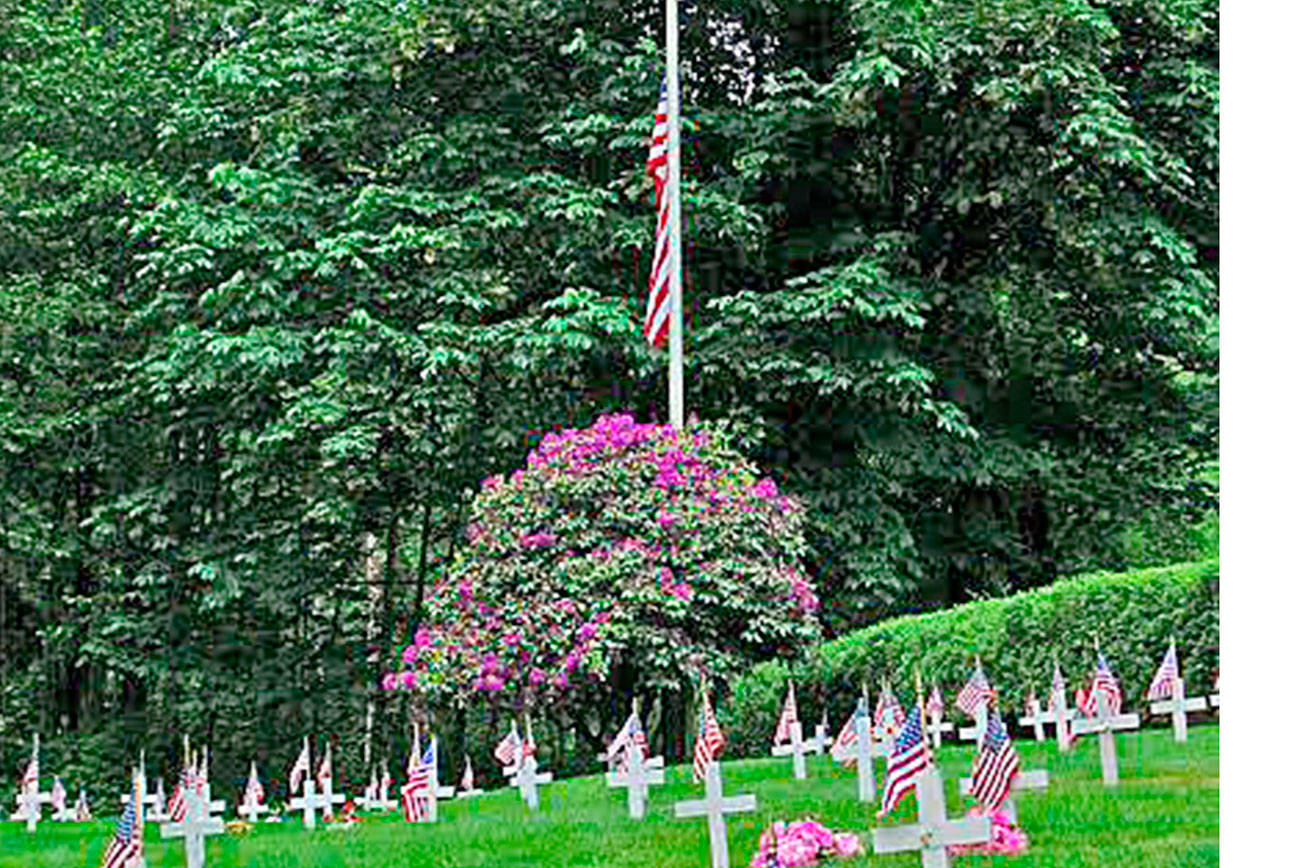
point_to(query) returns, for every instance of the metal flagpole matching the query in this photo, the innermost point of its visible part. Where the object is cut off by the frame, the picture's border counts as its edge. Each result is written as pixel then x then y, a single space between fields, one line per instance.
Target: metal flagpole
pixel 675 221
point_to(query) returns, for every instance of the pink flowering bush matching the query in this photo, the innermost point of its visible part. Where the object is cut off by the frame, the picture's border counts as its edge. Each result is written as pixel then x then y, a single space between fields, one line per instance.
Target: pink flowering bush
pixel 1004 836
pixel 803 843
pixel 622 542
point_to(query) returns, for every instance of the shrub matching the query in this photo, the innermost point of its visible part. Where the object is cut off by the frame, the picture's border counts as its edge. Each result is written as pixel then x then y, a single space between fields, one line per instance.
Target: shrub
pixel 1133 614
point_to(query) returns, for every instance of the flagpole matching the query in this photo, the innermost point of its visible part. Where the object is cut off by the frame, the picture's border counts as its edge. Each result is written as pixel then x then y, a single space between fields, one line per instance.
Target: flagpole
pixel 675 220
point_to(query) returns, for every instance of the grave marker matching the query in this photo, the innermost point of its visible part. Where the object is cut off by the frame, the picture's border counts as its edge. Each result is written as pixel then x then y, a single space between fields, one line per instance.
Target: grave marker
pixel 934 830
pixel 1062 714
pixel 1104 726
pixel 638 778
pixel 196 826
pixel 1035 717
pixel 789 731
pixel 309 803
pixel 714 807
pixel 252 804
pixel 30 798
pixel 820 741
pixel 527 780
pixel 1177 706
pixel 325 777
pixel 468 787
pixel 434 792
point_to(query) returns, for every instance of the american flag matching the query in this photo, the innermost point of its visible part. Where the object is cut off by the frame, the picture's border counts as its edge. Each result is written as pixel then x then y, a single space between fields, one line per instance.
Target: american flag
pixel 468 778
pixel 1163 686
pixel 176 805
pixel 634 738
pixel 889 716
pixel 253 792
pixel 82 810
pixel 528 748
pixel 508 750
pixel 325 775
pixel 128 843
pixel 31 775
pixel 1105 684
pixel 709 739
pixel 787 718
pixel 996 765
pixel 907 761
pixel 415 793
pixel 935 704
pixel 58 797
pixel 656 327
pixel 1058 682
pixel 976 693
pixel 302 767
pixel 843 748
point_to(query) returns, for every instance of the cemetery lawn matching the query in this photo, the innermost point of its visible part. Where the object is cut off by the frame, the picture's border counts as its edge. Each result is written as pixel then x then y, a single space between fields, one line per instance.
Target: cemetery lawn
pixel 1165 812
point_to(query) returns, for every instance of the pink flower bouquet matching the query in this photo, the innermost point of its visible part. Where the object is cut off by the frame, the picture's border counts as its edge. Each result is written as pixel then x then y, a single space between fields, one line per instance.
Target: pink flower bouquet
pixel 803 843
pixel 1004 836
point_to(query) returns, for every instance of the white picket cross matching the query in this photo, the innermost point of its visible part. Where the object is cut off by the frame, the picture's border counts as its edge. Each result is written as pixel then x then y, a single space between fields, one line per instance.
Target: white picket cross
pixel 1031 780
pixel 638 778
pixel 29 806
pixel 196 826
pixel 615 778
pixel 1105 725
pixel 1063 716
pixel 977 731
pixel 309 803
pixel 714 807
pixel 796 749
pixel 820 741
pixel 863 752
pixel 1037 718
pixel 527 780
pixel 1177 706
pixel 934 830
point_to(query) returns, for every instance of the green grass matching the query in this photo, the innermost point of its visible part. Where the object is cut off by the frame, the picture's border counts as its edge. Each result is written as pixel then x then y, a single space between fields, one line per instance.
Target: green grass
pixel 1164 813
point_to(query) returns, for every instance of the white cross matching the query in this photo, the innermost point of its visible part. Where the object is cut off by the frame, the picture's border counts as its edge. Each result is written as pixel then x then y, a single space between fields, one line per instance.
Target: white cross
pixel 1176 706
pixel 1062 719
pixel 527 780
pixel 977 731
pixel 863 751
pixel 713 807
pixel 637 779
pixel 434 792
pixel 159 812
pixel 62 813
pixel 934 831
pixel 1035 780
pixel 250 808
pixel 1037 718
pixel 1104 726
pixel 796 749
pixel 615 778
pixel 329 798
pixel 820 741
pixel 29 806
pixel 383 802
pixel 149 800
pixel 938 726
pixel 309 803
pixel 196 825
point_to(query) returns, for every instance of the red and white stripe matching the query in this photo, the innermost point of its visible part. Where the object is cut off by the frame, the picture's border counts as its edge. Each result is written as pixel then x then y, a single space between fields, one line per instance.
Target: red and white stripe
pixel 787 718
pixel 906 763
pixel 1104 692
pixel 301 768
pixel 507 751
pixel 976 693
pixel 656 326
pixel 709 739
pixel 888 717
pixel 996 765
pixel 1163 686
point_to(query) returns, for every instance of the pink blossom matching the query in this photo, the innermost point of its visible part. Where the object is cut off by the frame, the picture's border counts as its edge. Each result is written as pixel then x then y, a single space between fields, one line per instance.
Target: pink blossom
pixel 409 680
pixel 587 631
pixel 410 654
pixel 666 519
pixel 766 488
pixel 681 590
pixel 491 681
pixel 491 483
pixel 389 681
pixel 422 637
pixel 561 681
pixel 538 540
pixel 511 639
pixel 536 677
pixel 846 844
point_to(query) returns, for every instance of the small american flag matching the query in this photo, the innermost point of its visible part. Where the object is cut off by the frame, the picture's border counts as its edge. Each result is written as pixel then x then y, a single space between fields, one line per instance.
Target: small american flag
pixel 1058 682
pixel 1163 686
pixel 507 751
pixel 1106 686
pixel 889 716
pixel 656 327
pixel 907 761
pixel 634 739
pixel 935 704
pixel 709 739
pixel 58 797
pixel 468 777
pixel 325 771
pixel 253 792
pixel 787 718
pixel 176 805
pixel 996 765
pixel 415 793
pixel 31 775
pixel 843 748
pixel 127 845
pixel 976 693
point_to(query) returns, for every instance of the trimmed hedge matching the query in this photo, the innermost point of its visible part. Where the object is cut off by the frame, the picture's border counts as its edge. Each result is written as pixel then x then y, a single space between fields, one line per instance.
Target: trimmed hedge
pixel 1134 615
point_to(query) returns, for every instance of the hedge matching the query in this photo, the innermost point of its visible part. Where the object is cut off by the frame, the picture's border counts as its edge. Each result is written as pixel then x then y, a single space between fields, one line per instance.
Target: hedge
pixel 1134 614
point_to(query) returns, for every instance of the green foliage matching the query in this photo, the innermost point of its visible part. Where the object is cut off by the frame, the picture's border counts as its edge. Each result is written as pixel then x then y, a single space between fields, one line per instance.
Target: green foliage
pixel 1134 615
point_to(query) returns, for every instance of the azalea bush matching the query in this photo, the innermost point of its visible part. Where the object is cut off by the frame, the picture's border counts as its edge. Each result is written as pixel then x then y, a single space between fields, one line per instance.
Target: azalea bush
pixel 621 544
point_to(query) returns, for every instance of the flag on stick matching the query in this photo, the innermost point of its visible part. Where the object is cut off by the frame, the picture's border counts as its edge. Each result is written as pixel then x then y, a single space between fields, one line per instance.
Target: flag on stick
pixel 976 693
pixel 1104 692
pixel 709 738
pixel 508 750
pixel 996 765
pixel 415 793
pixel 656 326
pixel 843 748
pixel 787 718
pixel 906 763
pixel 1163 686
pixel 302 768
pixel 128 845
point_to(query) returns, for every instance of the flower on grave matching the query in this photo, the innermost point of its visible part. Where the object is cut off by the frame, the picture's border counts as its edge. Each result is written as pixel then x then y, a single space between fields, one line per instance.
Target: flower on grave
pixel 1004 836
pixel 807 842
pixel 620 541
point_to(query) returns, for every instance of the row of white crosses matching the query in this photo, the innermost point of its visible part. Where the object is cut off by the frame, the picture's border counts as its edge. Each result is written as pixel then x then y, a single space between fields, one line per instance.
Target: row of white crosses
pixel 30 798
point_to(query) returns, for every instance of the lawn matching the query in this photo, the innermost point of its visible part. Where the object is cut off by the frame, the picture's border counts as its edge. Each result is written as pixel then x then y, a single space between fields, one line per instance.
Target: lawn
pixel 1164 813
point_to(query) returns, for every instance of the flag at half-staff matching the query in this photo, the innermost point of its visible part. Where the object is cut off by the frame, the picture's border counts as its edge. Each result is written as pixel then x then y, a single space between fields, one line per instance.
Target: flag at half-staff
pixel 996 765
pixel 709 738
